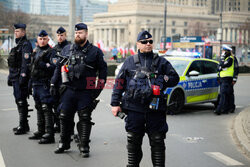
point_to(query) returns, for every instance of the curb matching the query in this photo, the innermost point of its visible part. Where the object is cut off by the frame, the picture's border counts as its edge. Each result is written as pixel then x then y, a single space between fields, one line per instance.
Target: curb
pixel 241 129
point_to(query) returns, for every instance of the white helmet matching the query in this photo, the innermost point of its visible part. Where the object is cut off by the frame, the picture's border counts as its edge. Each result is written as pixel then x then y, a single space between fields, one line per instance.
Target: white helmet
pixel 226 47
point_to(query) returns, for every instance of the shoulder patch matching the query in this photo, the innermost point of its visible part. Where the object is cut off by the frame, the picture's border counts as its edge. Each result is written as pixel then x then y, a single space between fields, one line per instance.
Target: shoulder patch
pixel 54 60
pixel 26 55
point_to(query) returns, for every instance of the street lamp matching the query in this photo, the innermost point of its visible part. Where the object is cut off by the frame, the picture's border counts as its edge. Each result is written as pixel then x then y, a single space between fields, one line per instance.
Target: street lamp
pixel 165 24
pixel 221 25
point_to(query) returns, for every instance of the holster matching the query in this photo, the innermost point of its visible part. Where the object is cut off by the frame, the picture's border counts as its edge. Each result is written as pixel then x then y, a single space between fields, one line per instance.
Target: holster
pixel 62 89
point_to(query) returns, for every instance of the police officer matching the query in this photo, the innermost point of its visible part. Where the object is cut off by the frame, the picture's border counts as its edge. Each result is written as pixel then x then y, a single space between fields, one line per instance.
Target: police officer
pixel 84 61
pixel 226 74
pixel 62 42
pixel 42 68
pixel 146 113
pixel 18 61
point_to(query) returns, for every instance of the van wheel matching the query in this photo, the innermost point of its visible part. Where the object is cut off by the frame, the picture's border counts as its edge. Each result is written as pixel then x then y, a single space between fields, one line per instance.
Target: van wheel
pixel 176 102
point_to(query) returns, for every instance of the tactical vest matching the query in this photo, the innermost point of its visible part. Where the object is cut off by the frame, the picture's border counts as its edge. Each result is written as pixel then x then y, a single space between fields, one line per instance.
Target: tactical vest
pixel 139 87
pixel 36 71
pixel 228 72
pixel 77 65
pixel 15 55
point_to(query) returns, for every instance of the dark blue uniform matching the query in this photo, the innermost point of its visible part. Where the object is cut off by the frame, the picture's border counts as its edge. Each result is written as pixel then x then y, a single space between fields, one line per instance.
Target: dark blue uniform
pixel 226 101
pixel 54 92
pixel 18 62
pixel 132 95
pixel 43 65
pixel 83 65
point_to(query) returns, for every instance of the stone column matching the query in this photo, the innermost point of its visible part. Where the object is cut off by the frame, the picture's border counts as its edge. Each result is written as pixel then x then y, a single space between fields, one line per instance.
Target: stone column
pixel 95 36
pixel 105 41
pixel 228 34
pixel 224 35
pixel 233 35
pixel 237 35
pixel 118 37
pixel 156 36
pixel 110 37
pixel 247 37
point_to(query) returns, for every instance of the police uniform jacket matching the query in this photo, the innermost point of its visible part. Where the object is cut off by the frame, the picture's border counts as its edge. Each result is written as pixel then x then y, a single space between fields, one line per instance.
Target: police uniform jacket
pixel 45 65
pixel 21 60
pixel 228 62
pixel 83 65
pixel 58 48
pixel 166 77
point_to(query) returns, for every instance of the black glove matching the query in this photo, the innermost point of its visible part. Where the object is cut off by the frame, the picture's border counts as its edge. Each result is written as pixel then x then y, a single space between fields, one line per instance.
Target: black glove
pixel 9 82
pixel 23 82
pixel 53 90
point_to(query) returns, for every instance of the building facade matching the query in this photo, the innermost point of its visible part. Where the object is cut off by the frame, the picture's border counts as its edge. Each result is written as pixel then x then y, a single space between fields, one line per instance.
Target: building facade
pixel 124 19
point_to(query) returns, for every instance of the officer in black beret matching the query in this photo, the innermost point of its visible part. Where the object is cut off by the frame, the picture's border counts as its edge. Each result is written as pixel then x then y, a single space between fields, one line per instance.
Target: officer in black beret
pixel 84 62
pixel 18 61
pixel 143 78
pixel 42 69
pixel 54 90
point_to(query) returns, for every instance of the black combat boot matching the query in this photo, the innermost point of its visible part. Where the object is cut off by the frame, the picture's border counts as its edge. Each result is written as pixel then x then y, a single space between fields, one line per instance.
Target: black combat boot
pixel 64 143
pixel 84 129
pixel 56 115
pixel 23 127
pixel 40 124
pixel 134 149
pixel 157 149
pixel 48 137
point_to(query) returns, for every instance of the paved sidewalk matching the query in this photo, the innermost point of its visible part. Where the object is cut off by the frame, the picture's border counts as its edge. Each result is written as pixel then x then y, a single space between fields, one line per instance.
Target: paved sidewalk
pixel 241 130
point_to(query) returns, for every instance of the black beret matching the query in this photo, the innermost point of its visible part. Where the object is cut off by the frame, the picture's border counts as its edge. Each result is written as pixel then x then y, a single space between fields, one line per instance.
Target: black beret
pixel 81 26
pixel 143 35
pixel 60 30
pixel 20 25
pixel 42 33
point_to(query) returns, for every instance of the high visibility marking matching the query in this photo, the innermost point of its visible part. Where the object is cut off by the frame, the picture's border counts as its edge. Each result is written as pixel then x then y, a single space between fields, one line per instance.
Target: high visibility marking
pixel 2 164
pixel 8 109
pixel 224 159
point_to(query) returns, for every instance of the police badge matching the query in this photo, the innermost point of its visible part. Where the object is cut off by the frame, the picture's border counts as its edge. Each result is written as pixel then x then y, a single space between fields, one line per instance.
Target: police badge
pixel 26 55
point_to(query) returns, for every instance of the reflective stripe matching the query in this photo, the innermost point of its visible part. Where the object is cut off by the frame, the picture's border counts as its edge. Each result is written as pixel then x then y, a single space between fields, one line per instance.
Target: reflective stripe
pixel 228 72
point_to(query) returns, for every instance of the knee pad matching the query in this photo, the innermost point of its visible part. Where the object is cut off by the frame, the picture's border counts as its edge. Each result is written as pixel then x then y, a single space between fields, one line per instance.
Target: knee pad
pixel 46 108
pixel 84 115
pixel 21 103
pixel 134 139
pixel 157 141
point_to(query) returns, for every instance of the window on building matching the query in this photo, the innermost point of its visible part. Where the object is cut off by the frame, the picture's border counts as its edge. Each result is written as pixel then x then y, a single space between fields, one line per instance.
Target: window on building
pixel 173 31
pixel 161 21
pixel 148 21
pixel 185 23
pixel 173 23
pixel 238 9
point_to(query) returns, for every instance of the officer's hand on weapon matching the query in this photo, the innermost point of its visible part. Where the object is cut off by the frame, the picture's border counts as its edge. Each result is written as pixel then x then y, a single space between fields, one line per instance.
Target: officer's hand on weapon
pixel 52 90
pixel 9 82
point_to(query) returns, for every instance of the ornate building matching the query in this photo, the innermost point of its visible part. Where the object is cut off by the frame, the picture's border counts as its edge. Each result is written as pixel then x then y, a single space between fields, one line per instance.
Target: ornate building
pixel 124 19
